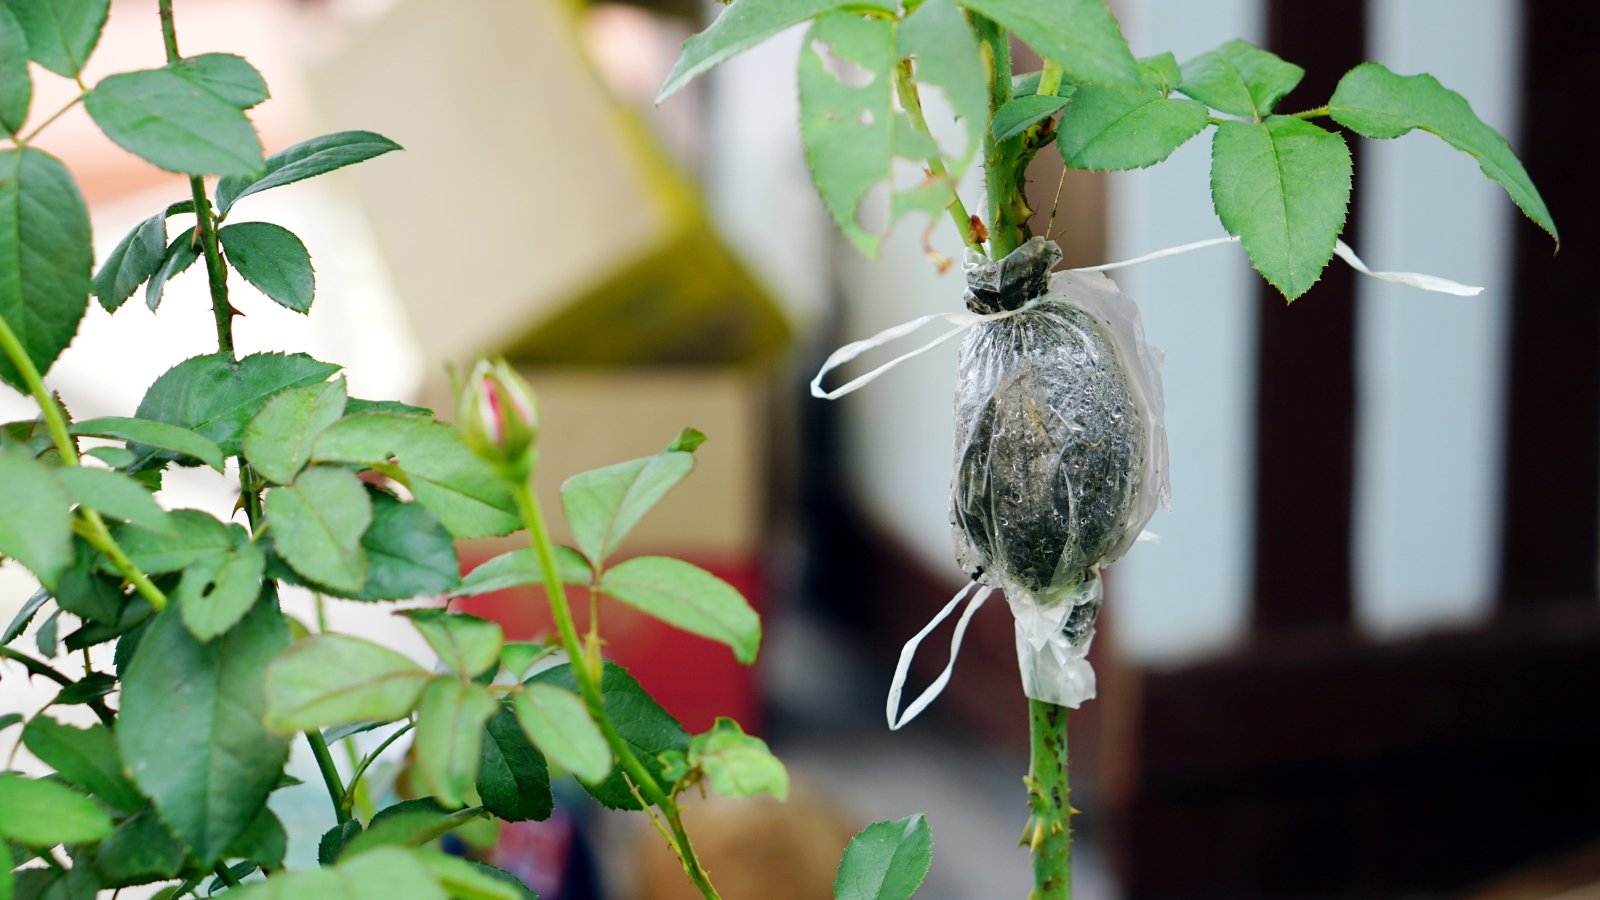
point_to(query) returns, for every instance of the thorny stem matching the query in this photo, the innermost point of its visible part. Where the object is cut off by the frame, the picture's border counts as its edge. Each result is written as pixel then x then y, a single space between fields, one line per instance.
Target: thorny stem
pixel 36 667
pixel 1049 832
pixel 590 691
pixel 1003 161
pixel 912 102
pixel 94 528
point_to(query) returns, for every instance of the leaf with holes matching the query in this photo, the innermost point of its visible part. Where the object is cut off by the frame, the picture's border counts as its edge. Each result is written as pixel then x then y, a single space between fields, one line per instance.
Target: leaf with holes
pixel 886 861
pixel 939 40
pixel 273 260
pixel 219 588
pixel 335 680
pixel 306 159
pixel 1375 102
pixel 61 33
pixel 689 597
pixel 190 726
pixel 169 119
pixel 278 440
pixel 317 523
pixel 1282 186
pixel 1240 79
pixel 450 720
pixel 559 725
pixel 44 243
pixel 1108 129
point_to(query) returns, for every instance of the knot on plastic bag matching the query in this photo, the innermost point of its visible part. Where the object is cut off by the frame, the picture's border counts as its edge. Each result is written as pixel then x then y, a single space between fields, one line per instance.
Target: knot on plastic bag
pixel 1006 284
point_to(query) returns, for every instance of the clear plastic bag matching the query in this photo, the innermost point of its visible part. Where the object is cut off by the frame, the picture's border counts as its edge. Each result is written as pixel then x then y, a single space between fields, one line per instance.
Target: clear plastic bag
pixel 1060 456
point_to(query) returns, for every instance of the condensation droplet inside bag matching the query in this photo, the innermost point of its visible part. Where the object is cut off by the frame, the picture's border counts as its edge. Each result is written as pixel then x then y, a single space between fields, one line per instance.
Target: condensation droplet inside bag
pixel 1060 455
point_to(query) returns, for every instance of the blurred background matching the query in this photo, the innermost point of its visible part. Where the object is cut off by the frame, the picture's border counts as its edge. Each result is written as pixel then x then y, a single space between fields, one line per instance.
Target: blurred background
pixel 1363 661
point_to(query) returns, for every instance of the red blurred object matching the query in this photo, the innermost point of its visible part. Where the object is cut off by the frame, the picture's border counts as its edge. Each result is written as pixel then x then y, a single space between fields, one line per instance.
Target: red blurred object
pixel 693 678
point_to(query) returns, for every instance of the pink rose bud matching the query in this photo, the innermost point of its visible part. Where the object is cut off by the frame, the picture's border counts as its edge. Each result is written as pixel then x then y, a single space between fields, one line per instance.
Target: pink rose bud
pixel 498 418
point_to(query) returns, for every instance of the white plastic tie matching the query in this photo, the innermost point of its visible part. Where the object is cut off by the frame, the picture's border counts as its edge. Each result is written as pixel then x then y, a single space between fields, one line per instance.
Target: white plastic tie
pixel 964 320
pixel 898 720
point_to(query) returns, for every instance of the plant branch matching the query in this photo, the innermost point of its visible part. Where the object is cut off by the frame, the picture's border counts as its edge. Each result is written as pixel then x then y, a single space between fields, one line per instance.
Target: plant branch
pixel 330 774
pixel 23 141
pixel 1049 833
pixel 348 802
pixel 226 874
pixel 1004 162
pixel 590 691
pixel 906 86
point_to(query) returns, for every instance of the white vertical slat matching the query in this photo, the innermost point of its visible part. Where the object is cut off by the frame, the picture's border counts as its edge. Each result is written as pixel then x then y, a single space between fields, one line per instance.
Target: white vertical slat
pixel 1432 368
pixel 1189 594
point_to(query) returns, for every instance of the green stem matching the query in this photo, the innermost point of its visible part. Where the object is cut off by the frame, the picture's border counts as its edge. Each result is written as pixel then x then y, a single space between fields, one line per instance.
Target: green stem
pixel 1049 833
pixel 350 794
pixel 25 140
pixel 1003 161
pixel 36 667
pixel 226 875
pixel 330 774
pixel 590 691
pixel 1049 79
pixel 912 102
pixel 1311 113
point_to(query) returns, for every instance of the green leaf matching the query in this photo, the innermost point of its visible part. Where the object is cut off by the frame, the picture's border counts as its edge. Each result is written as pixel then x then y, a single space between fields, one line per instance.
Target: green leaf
pixel 388 873
pixel 468 879
pixel 86 757
pixel 219 588
pixel 446 477
pixel 61 33
pixel 190 725
pixel 279 439
pixel 44 240
pixel 1373 101
pixel 886 861
pixel 1282 186
pixel 86 689
pixel 157 553
pixel 1110 129
pixel 738 764
pixel 306 159
pixel 517 657
pixel 467 645
pixel 88 593
pixel 688 597
pixel 317 524
pixel 409 554
pixel 116 495
pixel 559 725
pixel 645 727
pixel 334 841
pixel 9 719
pixel 273 260
pixel 20 621
pixel 140 851
pixel 179 255
pixel 407 824
pixel 44 814
pixel 940 40
pixel 16 85
pixel 35 521
pixel 217 396
pixel 1018 114
pixel 171 119
pixel 1080 36
pixel 1161 72
pixel 513 780
pixel 155 434
pixel 263 841
pixel 603 505
pixel 135 258
pixel 518 568
pixel 743 25
pixel 449 741
pixel 1240 79
pixel 847 116
pixel 225 75
pixel 334 680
